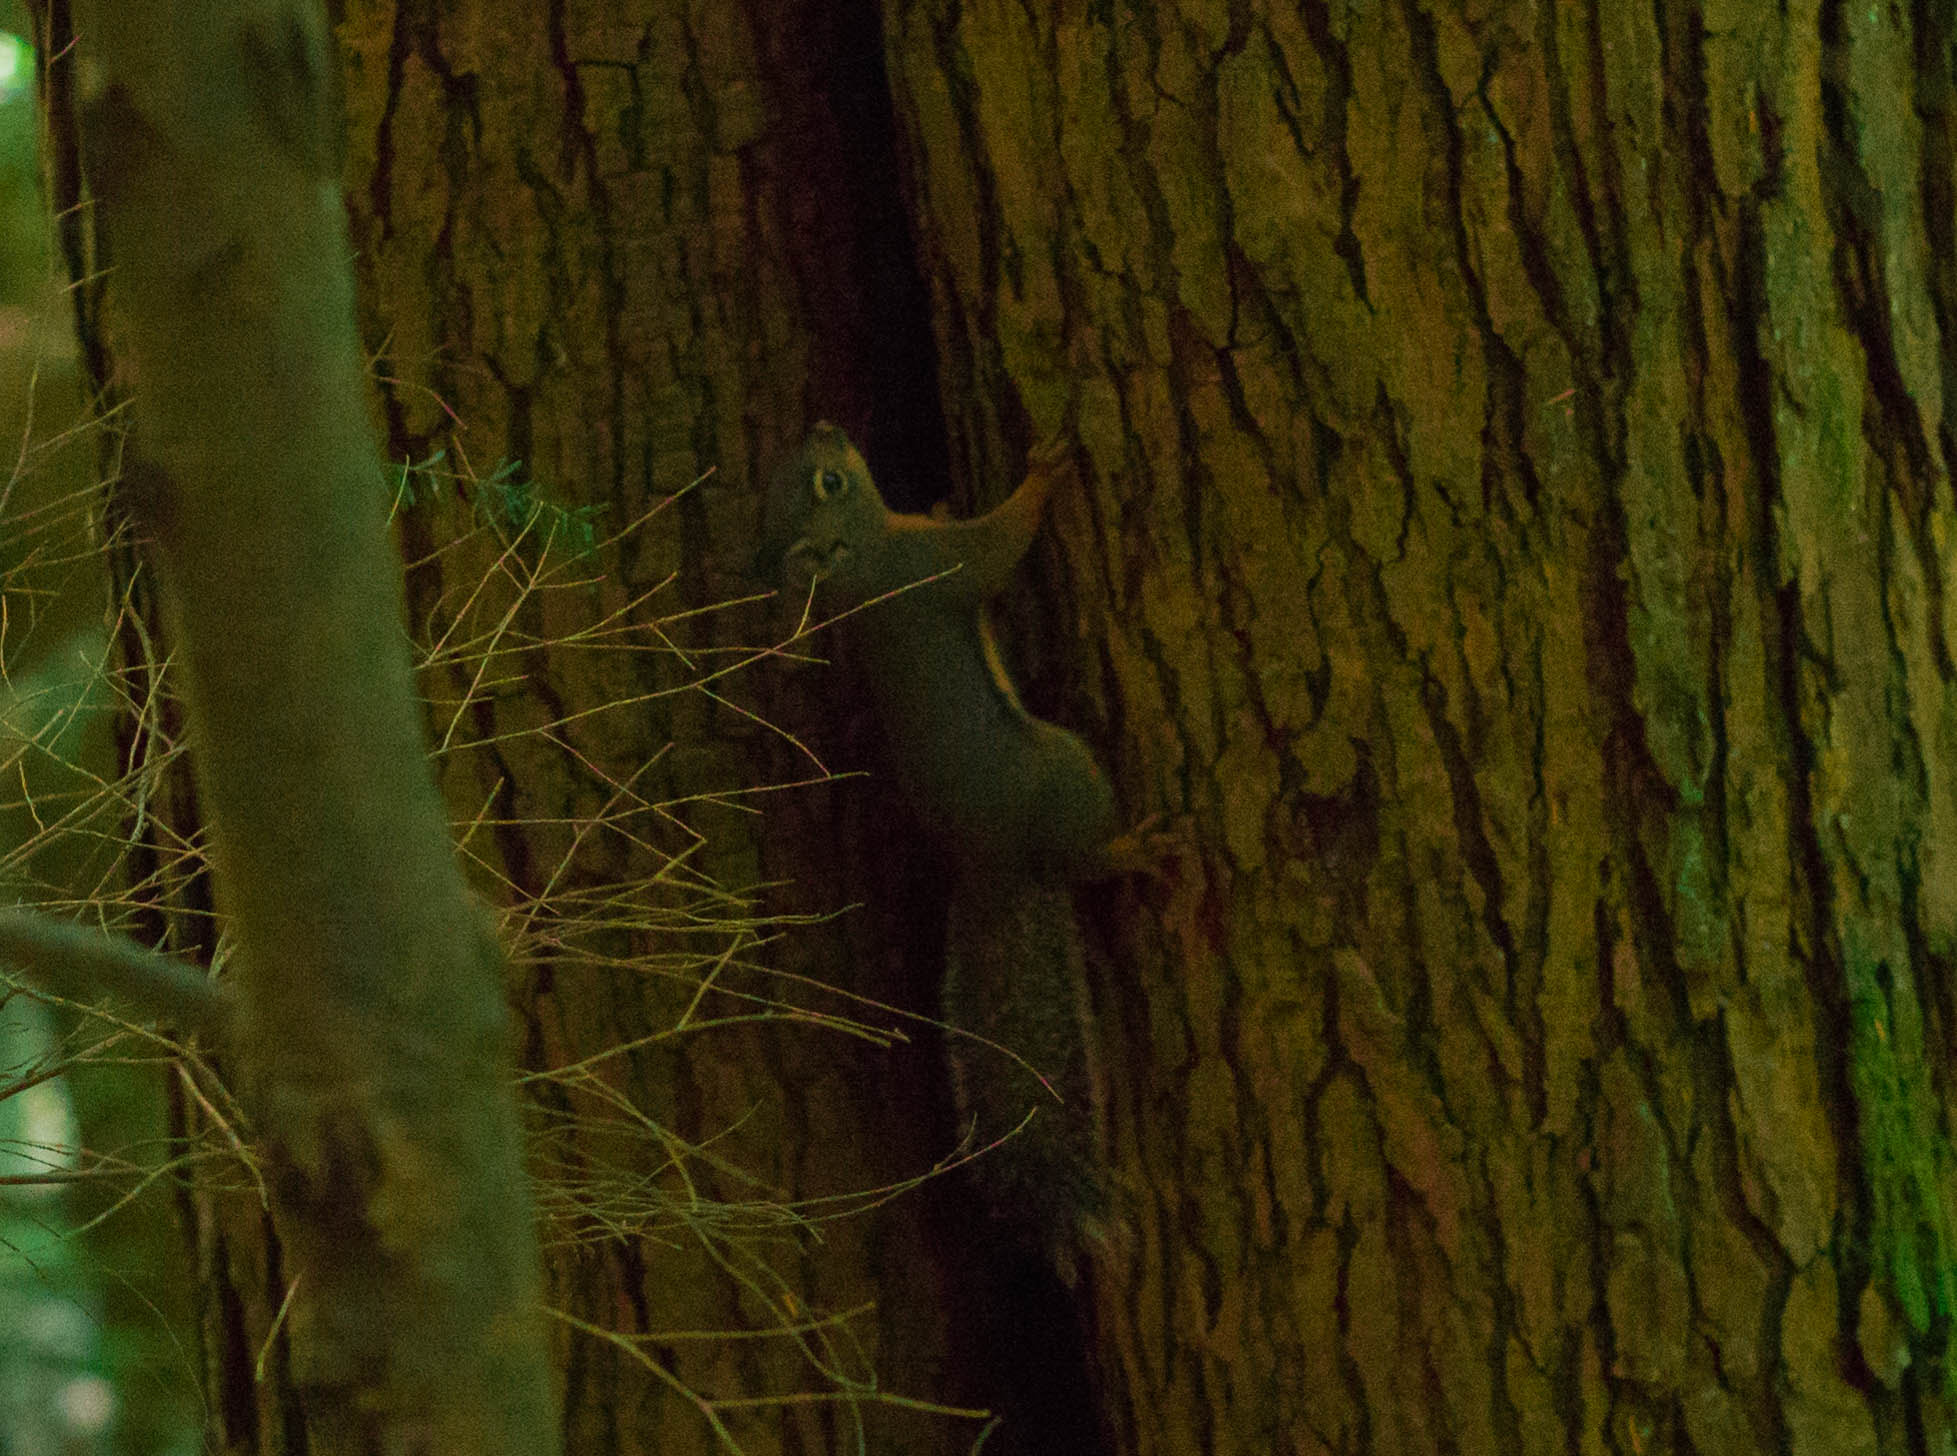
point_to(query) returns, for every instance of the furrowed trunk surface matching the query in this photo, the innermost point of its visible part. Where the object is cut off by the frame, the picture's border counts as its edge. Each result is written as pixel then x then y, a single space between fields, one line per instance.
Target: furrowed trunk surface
pixel 1510 556
pixel 1519 532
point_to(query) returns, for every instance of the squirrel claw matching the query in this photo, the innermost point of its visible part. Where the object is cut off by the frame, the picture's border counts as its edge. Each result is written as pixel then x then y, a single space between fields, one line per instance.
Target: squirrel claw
pixel 1051 456
pixel 1147 848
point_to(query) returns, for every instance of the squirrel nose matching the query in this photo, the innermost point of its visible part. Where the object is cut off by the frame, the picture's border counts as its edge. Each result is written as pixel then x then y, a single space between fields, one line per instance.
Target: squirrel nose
pixel 809 561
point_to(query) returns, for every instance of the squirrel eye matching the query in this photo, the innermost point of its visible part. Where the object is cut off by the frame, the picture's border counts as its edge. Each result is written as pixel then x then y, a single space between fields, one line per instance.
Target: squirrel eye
pixel 825 484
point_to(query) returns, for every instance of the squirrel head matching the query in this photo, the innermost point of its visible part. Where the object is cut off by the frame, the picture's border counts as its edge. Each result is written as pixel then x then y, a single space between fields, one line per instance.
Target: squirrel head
pixel 821 515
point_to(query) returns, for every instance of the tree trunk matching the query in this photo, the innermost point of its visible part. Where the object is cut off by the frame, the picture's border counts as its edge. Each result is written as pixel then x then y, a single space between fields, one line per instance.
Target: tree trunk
pixel 591 260
pixel 1517 537
pixel 603 252
pixel 1512 551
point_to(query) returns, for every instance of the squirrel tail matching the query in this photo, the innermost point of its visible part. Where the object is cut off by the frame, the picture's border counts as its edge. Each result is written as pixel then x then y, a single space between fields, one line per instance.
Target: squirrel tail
pixel 1016 976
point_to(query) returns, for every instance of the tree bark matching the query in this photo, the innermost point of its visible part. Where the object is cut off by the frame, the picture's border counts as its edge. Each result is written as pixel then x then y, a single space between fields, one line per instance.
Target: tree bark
pixel 612 249
pixel 1517 537
pixel 1514 543
pixel 588 250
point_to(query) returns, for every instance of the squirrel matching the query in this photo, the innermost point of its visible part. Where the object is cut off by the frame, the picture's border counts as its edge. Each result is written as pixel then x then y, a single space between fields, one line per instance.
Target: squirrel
pixel 1019 803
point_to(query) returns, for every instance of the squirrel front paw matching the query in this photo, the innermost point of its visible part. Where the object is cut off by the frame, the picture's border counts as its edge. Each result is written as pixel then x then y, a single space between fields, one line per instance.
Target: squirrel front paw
pixel 1052 456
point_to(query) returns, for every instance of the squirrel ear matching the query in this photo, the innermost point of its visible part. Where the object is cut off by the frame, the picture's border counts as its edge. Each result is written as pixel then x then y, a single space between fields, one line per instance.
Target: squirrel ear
pixel 829 434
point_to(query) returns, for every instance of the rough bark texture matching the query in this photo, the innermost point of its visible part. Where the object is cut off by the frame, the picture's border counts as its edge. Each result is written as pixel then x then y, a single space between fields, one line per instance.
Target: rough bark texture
pixel 614 243
pixel 1519 540
pixel 1516 540
pixel 599 253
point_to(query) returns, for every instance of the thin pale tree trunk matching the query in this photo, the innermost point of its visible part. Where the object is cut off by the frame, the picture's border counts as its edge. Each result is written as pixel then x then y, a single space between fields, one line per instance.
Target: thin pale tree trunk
pixel 371 1042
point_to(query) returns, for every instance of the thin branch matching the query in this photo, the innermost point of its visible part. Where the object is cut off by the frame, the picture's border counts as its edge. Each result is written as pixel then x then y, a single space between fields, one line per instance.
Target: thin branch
pixel 84 965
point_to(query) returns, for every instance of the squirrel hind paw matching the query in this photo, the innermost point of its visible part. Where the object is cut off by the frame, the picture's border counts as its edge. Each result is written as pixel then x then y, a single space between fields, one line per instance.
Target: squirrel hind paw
pixel 1096 1239
pixel 1150 846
